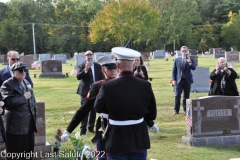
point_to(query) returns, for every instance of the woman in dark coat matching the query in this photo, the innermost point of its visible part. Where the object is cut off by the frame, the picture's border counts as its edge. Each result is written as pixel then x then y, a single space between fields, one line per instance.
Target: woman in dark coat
pixel 223 80
pixel 139 70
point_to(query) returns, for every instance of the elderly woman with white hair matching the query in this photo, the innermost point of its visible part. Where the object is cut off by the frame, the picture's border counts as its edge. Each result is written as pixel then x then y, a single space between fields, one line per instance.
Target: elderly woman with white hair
pixel 223 80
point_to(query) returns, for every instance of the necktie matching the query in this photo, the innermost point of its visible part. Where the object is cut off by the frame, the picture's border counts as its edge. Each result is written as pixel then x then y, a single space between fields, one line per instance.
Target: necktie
pixel 183 67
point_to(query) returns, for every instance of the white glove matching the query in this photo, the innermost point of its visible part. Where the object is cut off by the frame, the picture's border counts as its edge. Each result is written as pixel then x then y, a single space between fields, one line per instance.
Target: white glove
pixel 65 136
pixel 154 128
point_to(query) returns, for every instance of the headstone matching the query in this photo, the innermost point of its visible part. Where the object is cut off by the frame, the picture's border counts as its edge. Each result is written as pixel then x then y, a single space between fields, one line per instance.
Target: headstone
pixel 211 50
pixel 98 55
pixel 193 52
pixel 232 56
pixel 41 145
pixel 195 58
pixel 200 80
pixel 178 53
pixel 145 56
pixel 79 59
pixel 35 57
pixel 1 58
pixel 60 57
pixel 44 57
pixel 217 53
pixel 159 54
pixel 51 69
pixel 28 60
pixel 5 61
pixel 68 55
pixel 213 121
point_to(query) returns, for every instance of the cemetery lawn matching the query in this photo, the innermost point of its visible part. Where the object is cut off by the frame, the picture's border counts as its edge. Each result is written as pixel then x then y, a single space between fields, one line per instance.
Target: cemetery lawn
pixel 61 102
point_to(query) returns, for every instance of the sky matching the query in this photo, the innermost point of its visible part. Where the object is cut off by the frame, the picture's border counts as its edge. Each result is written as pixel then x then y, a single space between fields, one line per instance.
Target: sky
pixel 4 0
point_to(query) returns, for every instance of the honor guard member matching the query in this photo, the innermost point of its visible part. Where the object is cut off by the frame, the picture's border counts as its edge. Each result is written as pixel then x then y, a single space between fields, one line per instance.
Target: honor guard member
pixel 128 101
pixel 109 70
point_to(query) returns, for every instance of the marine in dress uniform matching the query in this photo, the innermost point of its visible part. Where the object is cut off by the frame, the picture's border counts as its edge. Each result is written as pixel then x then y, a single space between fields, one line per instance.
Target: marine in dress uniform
pixel 108 63
pixel 128 101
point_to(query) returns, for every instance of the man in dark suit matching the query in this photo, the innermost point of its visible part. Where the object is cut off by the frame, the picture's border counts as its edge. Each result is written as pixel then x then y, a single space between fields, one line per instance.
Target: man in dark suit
pixel 182 78
pixel 128 101
pixel 6 73
pixel 88 73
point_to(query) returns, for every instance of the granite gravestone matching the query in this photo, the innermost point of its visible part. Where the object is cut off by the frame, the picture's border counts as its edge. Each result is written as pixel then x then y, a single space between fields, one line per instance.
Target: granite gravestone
pixel 98 55
pixel 232 56
pixel 68 55
pixel 145 56
pixel 217 53
pixel 1 58
pixel 44 57
pixel 211 50
pixel 195 58
pixel 60 57
pixel 5 62
pixel 193 52
pixel 41 145
pixel 79 59
pixel 51 69
pixel 178 54
pixel 159 54
pixel 200 80
pixel 35 57
pixel 213 121
pixel 28 60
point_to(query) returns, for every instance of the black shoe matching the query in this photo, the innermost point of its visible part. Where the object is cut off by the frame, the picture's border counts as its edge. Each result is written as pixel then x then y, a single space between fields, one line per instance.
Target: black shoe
pixel 93 132
pixel 82 133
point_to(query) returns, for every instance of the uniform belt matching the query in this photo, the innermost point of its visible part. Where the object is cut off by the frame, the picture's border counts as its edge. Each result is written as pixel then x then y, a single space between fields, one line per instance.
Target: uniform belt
pixel 104 115
pixel 125 123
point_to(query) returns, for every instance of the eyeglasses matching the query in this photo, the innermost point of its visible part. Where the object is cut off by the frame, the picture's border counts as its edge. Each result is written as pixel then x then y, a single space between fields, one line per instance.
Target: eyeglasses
pixel 15 59
pixel 184 51
pixel 88 55
pixel 21 70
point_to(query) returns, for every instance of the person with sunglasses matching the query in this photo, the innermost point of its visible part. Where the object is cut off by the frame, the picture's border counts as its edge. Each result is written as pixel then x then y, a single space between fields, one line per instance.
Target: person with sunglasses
pixel 6 72
pixel 182 78
pixel 21 113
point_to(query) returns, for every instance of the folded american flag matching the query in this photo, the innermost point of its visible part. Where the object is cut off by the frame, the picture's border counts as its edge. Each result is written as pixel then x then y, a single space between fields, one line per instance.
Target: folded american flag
pixel 189 117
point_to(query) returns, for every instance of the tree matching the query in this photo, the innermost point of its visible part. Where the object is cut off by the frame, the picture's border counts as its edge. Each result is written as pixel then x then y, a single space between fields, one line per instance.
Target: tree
pixel 231 29
pixel 176 20
pixel 123 21
pixel 12 36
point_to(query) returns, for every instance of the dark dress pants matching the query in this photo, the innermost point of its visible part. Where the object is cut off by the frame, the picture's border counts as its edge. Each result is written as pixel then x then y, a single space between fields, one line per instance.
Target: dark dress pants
pixel 88 120
pixel 21 144
pixel 182 86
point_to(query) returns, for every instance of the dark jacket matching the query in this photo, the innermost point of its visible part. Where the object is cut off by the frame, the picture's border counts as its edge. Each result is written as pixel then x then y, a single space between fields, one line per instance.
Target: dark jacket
pixel 19 111
pixel 127 98
pixel 86 79
pixel 177 70
pixel 144 70
pixel 230 85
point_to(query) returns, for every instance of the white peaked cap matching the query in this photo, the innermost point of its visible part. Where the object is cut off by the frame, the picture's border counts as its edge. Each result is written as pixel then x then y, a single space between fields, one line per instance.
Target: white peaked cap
pixel 107 59
pixel 123 53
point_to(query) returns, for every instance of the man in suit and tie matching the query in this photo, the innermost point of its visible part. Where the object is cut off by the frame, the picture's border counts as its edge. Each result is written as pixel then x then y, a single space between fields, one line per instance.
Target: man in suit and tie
pixel 88 73
pixel 182 78
pixel 6 72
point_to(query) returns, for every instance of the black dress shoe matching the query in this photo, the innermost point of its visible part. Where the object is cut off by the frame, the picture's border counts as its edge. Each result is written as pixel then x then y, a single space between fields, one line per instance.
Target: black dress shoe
pixel 82 133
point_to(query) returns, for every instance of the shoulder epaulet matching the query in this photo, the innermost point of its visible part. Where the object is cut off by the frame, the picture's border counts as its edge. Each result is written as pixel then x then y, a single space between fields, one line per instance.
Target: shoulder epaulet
pixel 98 82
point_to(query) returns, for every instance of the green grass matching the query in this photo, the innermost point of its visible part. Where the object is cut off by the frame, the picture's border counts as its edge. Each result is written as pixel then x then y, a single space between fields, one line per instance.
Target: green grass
pixel 60 98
